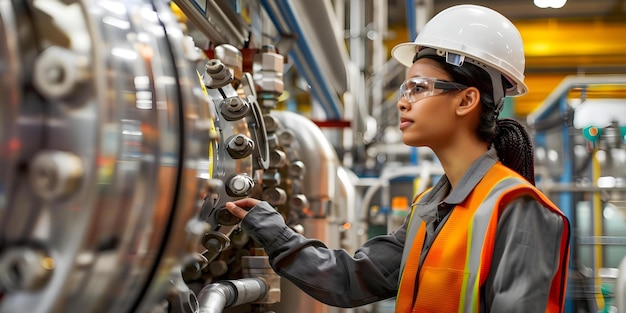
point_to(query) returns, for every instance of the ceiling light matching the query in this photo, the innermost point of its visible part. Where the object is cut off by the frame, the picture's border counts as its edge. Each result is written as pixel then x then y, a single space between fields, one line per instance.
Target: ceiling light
pixel 556 4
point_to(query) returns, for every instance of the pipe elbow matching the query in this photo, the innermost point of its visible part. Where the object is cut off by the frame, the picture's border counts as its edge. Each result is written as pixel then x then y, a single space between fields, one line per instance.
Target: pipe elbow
pixel 213 298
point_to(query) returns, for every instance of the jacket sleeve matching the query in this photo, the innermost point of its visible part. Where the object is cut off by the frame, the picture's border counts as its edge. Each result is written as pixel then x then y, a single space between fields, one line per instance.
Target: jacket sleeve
pixel 331 276
pixel 526 256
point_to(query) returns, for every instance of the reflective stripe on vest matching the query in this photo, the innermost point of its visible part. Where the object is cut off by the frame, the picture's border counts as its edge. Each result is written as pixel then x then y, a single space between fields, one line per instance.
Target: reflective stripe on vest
pixel 458 262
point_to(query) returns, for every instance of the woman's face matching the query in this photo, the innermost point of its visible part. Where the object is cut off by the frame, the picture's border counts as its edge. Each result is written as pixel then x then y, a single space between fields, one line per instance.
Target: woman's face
pixel 429 121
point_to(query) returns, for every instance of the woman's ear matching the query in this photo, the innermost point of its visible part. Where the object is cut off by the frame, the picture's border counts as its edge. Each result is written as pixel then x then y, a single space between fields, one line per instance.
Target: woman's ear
pixel 469 101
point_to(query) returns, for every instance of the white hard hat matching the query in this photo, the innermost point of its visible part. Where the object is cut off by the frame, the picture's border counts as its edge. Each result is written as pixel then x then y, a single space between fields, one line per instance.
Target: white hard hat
pixel 474 34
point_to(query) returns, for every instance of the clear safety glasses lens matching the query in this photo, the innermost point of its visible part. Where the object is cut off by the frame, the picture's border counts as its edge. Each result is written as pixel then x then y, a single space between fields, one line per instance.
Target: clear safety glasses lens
pixel 417 88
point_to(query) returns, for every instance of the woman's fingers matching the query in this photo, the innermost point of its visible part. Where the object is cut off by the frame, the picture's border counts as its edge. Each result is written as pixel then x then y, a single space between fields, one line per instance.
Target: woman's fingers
pixel 239 208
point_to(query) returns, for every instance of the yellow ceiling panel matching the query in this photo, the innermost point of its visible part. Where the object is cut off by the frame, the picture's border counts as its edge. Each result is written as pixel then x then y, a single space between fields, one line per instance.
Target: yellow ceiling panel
pixel 573 44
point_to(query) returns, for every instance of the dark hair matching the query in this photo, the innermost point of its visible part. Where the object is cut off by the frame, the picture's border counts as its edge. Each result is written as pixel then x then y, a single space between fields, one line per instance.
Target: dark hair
pixel 508 136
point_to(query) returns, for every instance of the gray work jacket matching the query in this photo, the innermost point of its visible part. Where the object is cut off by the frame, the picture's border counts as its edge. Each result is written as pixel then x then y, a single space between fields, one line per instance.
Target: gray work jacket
pixel 525 258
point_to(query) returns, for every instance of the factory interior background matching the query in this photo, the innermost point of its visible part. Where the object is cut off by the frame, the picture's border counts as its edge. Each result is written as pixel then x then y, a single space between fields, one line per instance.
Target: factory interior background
pixel 126 125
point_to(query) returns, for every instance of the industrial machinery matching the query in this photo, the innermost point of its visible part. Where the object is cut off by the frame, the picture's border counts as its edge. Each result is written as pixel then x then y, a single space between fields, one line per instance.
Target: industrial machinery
pixel 580 137
pixel 122 137
pixel 126 125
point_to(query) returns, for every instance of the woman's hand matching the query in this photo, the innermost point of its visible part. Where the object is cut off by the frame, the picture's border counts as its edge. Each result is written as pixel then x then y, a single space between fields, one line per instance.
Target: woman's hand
pixel 240 207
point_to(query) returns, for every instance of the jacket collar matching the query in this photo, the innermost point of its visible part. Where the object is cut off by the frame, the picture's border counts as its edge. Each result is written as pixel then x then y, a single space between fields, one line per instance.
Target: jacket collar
pixel 470 179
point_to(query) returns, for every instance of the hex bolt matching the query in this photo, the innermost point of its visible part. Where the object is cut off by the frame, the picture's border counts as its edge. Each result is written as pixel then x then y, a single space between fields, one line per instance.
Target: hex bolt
pixel 272 141
pixel 25 269
pixel 240 185
pixel 193 265
pixel 218 74
pixel 233 104
pixel 298 202
pixel 271 178
pixel 239 146
pixel 297 169
pixel 214 242
pixel 224 217
pixel 55 174
pixel 267 70
pixel 213 246
pixel 275 196
pixel 214 67
pixel 278 159
pixel 234 108
pixel 286 137
pixel 239 238
pixel 218 268
pixel 271 123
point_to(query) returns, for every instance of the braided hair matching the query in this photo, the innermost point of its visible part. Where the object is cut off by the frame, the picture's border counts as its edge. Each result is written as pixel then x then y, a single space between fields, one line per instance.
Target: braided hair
pixel 515 149
pixel 508 136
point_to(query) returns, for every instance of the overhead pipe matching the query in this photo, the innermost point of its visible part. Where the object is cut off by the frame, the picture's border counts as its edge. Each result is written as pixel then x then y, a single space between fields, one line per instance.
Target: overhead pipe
pixel 214 297
pixel 327 78
pixel 220 29
pixel 553 100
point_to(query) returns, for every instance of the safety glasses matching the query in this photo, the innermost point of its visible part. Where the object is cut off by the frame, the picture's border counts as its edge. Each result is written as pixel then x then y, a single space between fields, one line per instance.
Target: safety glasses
pixel 418 88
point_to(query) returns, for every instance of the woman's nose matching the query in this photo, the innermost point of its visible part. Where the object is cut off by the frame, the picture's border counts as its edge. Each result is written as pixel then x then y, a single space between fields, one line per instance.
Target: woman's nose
pixel 403 105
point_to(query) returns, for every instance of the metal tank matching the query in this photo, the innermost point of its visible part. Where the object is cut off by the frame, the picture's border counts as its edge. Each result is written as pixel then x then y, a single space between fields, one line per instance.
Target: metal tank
pixel 103 132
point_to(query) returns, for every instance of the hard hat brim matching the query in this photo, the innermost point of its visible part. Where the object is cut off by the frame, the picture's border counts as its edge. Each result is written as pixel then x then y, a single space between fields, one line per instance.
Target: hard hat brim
pixel 404 53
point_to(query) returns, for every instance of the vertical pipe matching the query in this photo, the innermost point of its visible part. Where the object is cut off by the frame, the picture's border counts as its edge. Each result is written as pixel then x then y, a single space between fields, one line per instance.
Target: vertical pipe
pixel 355 99
pixel 410 18
pixel 385 201
pixel 596 207
pixel 379 51
pixel 566 203
pixel 340 13
pixel 357 17
pixel 417 14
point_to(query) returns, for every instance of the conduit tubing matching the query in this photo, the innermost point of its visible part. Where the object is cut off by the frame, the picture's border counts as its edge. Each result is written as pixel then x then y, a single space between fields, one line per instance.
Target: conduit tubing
pixel 213 298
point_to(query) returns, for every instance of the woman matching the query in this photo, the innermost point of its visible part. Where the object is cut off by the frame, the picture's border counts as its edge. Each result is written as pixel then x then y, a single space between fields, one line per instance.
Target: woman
pixel 483 239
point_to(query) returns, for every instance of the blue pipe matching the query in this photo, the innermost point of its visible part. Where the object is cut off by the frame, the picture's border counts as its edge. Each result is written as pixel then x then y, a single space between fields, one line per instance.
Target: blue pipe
pixel 565 199
pixel 323 92
pixel 410 18
pixel 198 7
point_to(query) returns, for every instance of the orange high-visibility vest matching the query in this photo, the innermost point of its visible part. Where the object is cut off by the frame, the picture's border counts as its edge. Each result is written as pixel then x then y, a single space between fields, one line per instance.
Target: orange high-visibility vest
pixel 458 262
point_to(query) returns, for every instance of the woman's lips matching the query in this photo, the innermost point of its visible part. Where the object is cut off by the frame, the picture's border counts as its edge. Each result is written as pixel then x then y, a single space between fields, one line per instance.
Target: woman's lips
pixel 405 122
